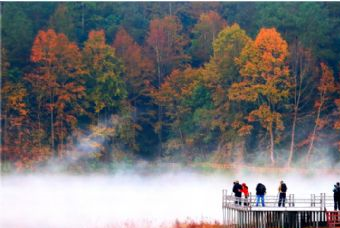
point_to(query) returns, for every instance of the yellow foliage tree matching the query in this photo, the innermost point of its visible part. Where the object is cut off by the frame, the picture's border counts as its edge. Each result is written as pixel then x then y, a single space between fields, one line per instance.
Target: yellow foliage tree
pixel 265 81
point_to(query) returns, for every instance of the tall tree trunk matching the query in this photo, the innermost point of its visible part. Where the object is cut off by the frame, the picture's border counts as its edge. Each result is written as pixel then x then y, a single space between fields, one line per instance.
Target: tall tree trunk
pixel 51 111
pixel 292 142
pixel 60 140
pixel 52 123
pixel 271 149
pixel 181 137
pixel 4 132
pixel 134 121
pixel 160 137
pixel 311 144
pixel 39 126
pixel 238 148
pixel 297 95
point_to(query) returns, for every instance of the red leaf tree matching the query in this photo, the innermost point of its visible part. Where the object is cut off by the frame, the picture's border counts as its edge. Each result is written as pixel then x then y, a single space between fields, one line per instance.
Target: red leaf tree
pixel 138 68
pixel 57 84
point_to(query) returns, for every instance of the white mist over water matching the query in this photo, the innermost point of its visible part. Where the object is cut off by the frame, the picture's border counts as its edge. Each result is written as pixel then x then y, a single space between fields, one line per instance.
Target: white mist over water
pixel 70 201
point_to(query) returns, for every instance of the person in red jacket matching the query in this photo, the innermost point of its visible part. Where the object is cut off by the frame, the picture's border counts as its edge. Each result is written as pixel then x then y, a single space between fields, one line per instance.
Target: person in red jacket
pixel 245 193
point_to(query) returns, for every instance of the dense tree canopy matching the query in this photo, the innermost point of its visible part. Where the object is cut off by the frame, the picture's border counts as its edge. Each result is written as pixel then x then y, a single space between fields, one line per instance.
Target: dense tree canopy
pixel 224 82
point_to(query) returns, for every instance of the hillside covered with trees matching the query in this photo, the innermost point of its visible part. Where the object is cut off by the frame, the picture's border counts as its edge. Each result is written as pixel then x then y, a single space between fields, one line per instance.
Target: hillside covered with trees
pixel 98 83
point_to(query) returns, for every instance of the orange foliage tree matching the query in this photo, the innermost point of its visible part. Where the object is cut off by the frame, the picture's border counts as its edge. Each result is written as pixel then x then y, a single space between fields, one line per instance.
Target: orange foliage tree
pixel 265 81
pixel 57 84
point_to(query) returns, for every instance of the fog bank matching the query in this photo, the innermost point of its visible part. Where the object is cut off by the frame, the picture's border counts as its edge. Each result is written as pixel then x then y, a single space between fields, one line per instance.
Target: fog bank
pixel 153 200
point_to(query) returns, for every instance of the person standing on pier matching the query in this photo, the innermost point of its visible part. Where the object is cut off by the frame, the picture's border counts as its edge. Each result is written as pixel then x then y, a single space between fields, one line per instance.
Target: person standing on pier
pixel 260 192
pixel 237 189
pixel 336 191
pixel 282 194
pixel 245 193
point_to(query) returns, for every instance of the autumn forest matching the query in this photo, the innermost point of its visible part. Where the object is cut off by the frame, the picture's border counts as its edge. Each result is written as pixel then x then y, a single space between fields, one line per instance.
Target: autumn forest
pixel 91 84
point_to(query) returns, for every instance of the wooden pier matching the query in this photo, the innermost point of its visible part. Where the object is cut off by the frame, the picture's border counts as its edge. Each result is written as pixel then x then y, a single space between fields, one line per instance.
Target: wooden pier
pixel 299 211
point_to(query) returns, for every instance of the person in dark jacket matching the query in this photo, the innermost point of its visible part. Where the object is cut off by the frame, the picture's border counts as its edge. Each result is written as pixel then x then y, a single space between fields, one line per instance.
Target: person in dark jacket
pixel 237 190
pixel 260 192
pixel 336 191
pixel 282 193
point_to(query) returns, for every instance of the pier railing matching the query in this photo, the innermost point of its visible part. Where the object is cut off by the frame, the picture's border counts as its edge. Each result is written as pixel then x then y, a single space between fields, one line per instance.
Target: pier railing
pixel 299 211
pixel 293 202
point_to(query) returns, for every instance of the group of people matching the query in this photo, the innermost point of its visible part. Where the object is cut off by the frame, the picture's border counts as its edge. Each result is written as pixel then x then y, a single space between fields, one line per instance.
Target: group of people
pixel 238 189
pixel 261 190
